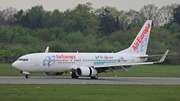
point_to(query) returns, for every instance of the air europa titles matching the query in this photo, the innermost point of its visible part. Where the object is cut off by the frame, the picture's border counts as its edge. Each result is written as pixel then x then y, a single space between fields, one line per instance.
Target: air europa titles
pixel 140 38
pixel 61 56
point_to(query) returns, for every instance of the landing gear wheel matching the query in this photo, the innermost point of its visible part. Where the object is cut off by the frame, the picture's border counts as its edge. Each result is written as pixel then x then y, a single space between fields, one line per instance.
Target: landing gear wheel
pixel 94 77
pixel 74 76
pixel 27 76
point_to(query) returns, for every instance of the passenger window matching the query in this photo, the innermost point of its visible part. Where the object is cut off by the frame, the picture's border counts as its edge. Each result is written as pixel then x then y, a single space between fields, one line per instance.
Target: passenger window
pixel 23 59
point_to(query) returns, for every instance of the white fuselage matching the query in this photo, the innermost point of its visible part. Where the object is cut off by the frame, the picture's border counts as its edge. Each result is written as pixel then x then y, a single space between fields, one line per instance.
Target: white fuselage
pixel 64 62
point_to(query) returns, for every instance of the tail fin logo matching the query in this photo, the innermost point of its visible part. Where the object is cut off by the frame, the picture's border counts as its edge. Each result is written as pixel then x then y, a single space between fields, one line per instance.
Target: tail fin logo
pixel 141 40
pixel 142 46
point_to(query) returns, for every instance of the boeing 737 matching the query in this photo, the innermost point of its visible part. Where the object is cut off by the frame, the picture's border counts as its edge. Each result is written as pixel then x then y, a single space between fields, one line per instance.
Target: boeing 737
pixel 89 64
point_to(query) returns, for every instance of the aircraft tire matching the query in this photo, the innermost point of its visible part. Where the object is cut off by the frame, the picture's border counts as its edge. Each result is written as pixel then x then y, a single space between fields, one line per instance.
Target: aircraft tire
pixel 74 76
pixel 94 77
pixel 27 76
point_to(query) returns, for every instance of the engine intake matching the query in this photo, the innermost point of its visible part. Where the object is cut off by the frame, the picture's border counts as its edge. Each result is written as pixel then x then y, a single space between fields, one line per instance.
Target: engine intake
pixel 86 71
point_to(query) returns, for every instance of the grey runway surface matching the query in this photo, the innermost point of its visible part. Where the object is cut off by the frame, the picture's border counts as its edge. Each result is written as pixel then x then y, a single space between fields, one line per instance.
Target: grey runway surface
pixel 82 80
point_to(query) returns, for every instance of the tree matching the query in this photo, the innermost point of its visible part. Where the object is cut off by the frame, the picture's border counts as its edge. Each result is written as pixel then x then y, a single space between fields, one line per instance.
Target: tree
pixel 150 11
pixel 55 19
pixel 57 47
pixel 108 22
pixel 18 50
pixel 75 38
pixel 76 23
pixel 174 28
pixel 6 34
pixel 165 14
pixel 7 16
pixel 57 33
pixel 176 15
pixel 134 18
pixel 35 17
pixel 18 17
pixel 2 21
pixel 44 34
pixel 81 18
pixel 90 19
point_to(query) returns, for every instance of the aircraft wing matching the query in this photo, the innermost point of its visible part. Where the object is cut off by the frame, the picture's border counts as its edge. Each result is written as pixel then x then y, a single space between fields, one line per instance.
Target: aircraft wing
pixel 125 64
pixel 133 64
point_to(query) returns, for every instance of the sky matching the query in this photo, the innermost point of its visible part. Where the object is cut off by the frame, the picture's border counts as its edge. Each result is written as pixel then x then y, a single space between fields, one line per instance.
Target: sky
pixel 63 5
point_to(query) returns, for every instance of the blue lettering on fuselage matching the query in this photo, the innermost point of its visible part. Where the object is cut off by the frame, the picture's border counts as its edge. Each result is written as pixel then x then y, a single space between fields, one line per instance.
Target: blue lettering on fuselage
pixel 49 61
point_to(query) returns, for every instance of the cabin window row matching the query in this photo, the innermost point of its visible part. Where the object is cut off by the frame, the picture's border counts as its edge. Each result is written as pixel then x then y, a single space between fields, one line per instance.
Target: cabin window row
pixel 82 60
pixel 23 59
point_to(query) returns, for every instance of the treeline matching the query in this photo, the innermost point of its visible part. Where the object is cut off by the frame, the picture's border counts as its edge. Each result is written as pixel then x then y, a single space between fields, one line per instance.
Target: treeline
pixel 86 29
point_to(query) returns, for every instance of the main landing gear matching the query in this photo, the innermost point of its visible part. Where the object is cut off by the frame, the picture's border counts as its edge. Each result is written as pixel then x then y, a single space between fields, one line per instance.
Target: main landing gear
pixel 74 76
pixel 94 77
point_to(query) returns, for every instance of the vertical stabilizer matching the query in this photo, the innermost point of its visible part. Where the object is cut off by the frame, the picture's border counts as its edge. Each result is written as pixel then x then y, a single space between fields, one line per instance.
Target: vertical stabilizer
pixel 47 50
pixel 140 43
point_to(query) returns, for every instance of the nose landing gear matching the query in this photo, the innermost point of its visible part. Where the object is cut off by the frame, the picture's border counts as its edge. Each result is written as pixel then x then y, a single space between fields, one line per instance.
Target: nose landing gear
pixel 27 76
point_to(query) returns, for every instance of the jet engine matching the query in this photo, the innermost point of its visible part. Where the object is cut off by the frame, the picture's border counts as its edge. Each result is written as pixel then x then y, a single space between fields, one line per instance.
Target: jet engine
pixel 53 73
pixel 86 71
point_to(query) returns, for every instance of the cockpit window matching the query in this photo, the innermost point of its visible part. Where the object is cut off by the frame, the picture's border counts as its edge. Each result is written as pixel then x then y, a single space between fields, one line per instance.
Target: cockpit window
pixel 21 59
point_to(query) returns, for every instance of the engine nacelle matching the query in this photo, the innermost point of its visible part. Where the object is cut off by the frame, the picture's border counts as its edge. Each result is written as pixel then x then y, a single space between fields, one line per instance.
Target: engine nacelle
pixel 86 71
pixel 53 73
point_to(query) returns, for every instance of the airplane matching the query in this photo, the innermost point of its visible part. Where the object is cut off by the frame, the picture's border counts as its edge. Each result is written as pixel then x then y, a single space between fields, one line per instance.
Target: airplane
pixel 89 64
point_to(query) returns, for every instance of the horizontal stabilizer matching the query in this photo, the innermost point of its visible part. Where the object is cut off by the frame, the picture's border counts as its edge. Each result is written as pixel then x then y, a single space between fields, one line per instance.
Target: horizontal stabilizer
pixel 163 57
pixel 150 56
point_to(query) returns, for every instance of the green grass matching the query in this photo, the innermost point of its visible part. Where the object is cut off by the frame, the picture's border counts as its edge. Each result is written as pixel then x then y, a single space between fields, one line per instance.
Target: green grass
pixel 8 70
pixel 95 92
pixel 138 71
pixel 149 71
pixel 89 93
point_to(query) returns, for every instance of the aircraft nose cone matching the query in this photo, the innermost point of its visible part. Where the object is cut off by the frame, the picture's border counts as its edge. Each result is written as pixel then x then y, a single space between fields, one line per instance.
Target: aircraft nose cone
pixel 16 65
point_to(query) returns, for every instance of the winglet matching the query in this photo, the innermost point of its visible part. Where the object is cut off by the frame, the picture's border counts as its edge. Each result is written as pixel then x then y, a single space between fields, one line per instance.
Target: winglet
pixel 47 50
pixel 163 57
